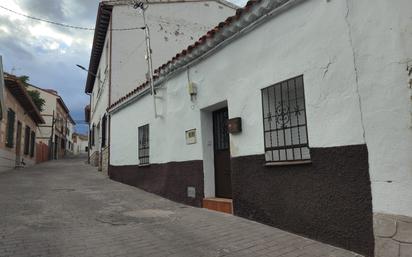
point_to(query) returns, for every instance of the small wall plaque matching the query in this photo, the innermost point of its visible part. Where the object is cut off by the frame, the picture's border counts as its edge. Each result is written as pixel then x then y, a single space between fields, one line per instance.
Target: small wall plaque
pixel 191 137
pixel 191 192
pixel 234 125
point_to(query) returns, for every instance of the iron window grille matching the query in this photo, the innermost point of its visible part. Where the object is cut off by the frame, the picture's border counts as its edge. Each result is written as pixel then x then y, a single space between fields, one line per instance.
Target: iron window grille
pixel 220 133
pixel 284 121
pixel 144 144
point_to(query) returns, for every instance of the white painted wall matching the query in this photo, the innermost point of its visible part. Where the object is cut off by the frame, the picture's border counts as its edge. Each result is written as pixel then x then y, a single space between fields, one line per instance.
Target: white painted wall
pixel 69 136
pixel 100 95
pixel 173 26
pixel 167 131
pixel 386 98
pixel 43 132
pixel 353 55
pixel 80 146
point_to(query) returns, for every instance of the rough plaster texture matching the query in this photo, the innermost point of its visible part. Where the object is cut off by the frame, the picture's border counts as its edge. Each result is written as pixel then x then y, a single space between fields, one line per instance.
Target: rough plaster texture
pixel 353 56
pixel 169 180
pixel 328 200
pixel 63 208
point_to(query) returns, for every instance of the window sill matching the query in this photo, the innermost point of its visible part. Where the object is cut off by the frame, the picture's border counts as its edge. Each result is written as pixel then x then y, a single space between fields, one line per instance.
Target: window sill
pixel 144 165
pixel 290 163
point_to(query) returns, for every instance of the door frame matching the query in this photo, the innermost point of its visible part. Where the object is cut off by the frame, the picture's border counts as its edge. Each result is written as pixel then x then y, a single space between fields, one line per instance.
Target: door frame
pixel 18 143
pixel 206 137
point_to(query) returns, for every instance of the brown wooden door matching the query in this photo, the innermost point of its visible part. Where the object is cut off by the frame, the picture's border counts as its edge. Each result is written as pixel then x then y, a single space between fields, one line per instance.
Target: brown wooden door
pixel 223 177
pixel 18 144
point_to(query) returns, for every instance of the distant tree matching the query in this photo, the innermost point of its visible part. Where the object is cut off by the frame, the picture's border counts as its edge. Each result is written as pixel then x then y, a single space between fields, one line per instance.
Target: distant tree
pixel 34 94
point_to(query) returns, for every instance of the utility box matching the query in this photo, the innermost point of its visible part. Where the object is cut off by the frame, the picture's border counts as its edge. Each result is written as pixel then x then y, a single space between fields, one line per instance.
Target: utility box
pixel 234 125
pixel 191 137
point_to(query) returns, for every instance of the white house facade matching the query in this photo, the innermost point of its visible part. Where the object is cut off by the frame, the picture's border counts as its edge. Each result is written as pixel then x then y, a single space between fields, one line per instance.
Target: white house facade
pixel 69 135
pixel 117 62
pixel 297 110
pixel 80 144
pixel 59 125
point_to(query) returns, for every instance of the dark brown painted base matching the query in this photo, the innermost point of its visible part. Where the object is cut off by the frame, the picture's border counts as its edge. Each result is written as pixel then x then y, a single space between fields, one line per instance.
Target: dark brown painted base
pixel 169 180
pixel 328 200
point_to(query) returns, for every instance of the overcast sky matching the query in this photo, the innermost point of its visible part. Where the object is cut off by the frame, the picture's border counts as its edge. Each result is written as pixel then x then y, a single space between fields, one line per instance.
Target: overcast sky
pixel 48 53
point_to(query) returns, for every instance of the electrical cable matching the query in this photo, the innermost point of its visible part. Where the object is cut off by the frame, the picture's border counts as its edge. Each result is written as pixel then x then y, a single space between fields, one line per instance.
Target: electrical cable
pixel 63 24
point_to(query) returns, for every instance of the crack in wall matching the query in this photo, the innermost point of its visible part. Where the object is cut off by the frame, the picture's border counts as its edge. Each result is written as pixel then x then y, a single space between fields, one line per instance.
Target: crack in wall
pixel 326 69
pixel 355 70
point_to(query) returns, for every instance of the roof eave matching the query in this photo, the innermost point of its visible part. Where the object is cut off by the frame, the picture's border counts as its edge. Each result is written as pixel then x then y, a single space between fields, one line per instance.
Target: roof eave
pixel 102 23
pixel 255 13
pixel 20 93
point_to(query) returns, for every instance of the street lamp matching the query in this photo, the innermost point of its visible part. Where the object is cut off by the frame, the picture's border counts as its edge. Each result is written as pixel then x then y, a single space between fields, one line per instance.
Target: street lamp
pixel 91 73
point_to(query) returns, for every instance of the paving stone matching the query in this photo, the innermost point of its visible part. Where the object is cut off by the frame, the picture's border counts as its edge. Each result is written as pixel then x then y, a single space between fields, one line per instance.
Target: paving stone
pixel 66 208
pixel 386 247
pixel 384 226
pixel 405 250
pixel 404 233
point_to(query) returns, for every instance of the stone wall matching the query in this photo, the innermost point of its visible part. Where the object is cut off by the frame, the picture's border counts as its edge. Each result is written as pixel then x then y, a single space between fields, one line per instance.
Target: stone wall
pixel 94 159
pixel 105 161
pixel 393 235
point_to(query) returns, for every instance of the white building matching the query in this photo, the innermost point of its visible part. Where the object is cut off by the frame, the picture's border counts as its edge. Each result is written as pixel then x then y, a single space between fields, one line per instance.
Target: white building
pixel 55 133
pixel 317 95
pixel 80 144
pixel 69 135
pixel 117 62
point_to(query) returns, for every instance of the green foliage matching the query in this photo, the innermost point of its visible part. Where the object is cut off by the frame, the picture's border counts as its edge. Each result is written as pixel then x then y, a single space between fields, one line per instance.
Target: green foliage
pixel 34 94
pixel 38 101
pixel 25 79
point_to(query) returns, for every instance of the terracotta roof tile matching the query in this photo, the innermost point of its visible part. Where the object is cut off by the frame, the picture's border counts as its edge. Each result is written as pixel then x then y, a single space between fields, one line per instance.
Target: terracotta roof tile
pixel 210 34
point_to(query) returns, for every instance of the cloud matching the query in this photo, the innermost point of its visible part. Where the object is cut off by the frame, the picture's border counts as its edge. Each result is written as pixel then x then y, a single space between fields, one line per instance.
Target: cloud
pixel 239 2
pixel 48 53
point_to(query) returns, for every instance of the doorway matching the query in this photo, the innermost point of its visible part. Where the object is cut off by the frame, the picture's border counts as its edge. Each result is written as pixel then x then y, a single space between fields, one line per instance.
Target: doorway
pixel 56 145
pixel 221 148
pixel 18 144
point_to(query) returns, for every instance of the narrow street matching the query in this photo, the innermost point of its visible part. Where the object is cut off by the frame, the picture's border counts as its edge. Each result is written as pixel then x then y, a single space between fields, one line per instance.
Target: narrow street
pixel 66 208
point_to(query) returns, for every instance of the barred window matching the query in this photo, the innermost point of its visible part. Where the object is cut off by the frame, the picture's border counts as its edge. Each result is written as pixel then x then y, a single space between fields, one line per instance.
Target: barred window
pixel 144 144
pixel 284 121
